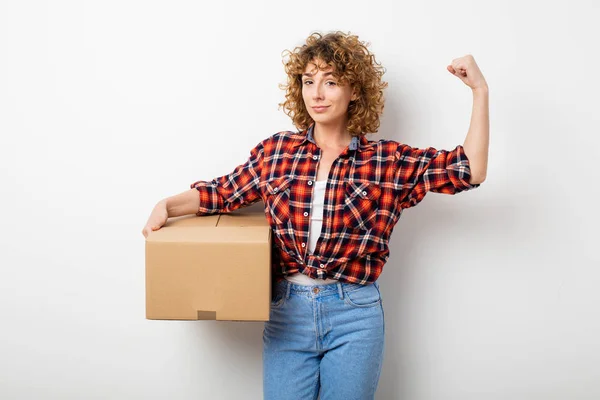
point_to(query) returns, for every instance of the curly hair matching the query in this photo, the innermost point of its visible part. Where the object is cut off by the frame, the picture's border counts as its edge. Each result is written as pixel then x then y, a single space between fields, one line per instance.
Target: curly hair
pixel 352 63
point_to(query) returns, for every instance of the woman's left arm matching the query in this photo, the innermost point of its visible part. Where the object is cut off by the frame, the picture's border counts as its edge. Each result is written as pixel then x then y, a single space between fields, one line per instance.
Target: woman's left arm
pixel 476 143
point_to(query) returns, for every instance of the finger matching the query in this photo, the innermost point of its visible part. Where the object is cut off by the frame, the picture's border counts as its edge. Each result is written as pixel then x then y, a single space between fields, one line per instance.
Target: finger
pixel 457 73
pixel 458 66
pixel 460 71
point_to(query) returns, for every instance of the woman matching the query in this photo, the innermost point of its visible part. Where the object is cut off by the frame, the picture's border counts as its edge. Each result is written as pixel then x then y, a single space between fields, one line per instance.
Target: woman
pixel 332 198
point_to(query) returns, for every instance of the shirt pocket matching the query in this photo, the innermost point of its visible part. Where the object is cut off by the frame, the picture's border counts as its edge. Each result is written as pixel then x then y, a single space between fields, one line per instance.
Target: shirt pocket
pixel 361 204
pixel 277 199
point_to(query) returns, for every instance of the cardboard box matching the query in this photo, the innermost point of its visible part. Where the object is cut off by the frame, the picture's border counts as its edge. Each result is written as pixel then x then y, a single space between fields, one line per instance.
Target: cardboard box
pixel 215 267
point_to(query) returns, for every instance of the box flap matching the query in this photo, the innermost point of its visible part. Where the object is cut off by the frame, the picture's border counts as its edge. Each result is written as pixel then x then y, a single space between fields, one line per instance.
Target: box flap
pixel 242 220
pixel 240 226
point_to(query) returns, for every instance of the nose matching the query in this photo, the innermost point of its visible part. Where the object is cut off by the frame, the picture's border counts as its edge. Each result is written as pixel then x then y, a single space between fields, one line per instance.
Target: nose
pixel 318 94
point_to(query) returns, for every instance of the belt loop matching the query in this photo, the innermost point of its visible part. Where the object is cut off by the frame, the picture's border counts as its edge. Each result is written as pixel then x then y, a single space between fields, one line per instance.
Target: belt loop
pixel 340 290
pixel 287 289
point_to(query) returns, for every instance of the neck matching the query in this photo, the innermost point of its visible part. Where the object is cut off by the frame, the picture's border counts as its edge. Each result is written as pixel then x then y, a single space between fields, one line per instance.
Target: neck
pixel 331 135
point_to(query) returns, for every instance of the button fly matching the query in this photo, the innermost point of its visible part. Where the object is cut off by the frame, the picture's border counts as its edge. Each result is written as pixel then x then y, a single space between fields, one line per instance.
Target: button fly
pixel 315 290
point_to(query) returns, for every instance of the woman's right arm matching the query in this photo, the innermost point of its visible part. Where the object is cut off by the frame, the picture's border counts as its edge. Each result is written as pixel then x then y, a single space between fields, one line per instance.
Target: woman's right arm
pixel 184 203
pixel 220 195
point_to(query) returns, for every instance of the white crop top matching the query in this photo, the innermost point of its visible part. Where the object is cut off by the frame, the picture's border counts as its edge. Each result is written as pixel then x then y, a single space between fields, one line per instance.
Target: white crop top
pixel 316 222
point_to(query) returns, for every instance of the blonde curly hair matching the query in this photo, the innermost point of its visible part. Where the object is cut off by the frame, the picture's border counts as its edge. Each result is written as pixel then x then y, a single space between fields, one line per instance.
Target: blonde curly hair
pixel 352 64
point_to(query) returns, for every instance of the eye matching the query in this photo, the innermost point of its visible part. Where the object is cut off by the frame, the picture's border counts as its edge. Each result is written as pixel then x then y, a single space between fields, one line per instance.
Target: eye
pixel 307 82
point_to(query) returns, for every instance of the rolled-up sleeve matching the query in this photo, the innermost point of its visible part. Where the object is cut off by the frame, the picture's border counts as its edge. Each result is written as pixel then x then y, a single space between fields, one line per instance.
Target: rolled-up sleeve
pixel 234 190
pixel 419 171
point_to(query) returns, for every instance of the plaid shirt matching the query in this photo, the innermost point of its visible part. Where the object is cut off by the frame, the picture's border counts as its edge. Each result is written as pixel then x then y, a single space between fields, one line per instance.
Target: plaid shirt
pixel 368 187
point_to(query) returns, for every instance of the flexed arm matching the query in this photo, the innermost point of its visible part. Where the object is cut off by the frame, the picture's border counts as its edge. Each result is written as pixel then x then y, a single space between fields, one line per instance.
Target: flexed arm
pixel 476 143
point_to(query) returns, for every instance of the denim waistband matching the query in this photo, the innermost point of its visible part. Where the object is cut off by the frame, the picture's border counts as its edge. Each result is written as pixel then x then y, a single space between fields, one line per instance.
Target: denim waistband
pixel 320 290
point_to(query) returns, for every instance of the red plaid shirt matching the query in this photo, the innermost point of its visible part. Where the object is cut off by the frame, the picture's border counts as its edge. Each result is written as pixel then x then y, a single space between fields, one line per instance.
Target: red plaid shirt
pixel 368 187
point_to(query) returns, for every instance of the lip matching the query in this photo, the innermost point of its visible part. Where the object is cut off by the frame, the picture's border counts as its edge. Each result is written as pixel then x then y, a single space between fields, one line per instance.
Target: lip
pixel 320 108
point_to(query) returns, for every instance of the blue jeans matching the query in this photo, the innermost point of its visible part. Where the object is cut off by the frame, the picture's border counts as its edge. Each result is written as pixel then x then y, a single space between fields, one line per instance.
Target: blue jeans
pixel 324 337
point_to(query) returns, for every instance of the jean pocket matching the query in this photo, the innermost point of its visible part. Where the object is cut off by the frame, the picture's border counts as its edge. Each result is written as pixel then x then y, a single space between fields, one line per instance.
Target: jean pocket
pixel 366 296
pixel 361 204
pixel 277 199
pixel 278 298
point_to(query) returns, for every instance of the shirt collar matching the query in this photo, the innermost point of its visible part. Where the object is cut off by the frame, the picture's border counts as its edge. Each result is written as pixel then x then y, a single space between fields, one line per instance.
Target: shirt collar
pixel 357 143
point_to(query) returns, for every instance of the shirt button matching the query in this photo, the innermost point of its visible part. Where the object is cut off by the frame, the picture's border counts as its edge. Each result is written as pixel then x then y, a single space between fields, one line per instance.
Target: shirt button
pixel 315 157
pixel 303 244
pixel 322 266
pixel 364 193
pixel 276 189
pixel 309 183
pixel 305 214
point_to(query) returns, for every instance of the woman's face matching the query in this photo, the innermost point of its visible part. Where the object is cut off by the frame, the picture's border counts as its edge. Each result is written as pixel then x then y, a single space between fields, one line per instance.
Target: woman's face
pixel 321 89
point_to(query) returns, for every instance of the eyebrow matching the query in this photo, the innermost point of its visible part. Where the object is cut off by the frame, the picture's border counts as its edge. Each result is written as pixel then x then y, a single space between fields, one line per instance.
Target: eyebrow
pixel 325 74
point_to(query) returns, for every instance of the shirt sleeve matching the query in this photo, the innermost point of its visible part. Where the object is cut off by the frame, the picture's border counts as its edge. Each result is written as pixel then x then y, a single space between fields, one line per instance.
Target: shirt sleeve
pixel 419 171
pixel 234 190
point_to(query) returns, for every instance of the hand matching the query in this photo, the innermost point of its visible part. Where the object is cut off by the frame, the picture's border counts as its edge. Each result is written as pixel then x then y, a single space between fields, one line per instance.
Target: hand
pixel 157 218
pixel 467 70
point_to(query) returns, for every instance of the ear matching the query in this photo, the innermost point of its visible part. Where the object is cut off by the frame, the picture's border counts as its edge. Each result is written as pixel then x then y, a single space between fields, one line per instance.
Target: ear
pixel 354 95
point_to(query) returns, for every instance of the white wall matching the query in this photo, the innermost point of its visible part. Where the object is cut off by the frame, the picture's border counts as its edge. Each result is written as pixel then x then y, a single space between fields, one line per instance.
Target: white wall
pixel 107 107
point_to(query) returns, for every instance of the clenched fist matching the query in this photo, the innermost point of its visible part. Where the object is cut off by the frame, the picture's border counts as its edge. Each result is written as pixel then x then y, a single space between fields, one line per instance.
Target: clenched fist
pixel 466 69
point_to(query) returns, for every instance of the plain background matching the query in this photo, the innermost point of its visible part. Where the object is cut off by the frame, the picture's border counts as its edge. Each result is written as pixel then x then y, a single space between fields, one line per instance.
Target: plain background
pixel 107 107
